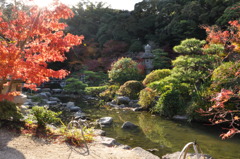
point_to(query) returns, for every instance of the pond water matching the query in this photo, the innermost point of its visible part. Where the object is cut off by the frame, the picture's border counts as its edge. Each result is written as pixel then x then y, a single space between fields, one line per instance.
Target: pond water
pixel 166 136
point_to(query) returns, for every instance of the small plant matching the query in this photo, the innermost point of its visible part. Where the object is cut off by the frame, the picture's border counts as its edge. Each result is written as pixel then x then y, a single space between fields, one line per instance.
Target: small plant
pixel 156 75
pixel 44 116
pixel 130 89
pixel 109 93
pixel 95 91
pixel 147 98
pixel 9 111
pixel 74 85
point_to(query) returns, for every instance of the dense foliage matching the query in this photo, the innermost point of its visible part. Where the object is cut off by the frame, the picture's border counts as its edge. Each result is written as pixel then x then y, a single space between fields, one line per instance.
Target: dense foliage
pixel 74 85
pixel 110 34
pixel 147 98
pixel 156 75
pixel 124 69
pixel 130 89
pixel 9 111
pixel 29 40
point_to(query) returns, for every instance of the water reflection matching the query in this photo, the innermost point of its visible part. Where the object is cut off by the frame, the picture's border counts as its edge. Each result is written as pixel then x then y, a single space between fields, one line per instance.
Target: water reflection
pixel 165 135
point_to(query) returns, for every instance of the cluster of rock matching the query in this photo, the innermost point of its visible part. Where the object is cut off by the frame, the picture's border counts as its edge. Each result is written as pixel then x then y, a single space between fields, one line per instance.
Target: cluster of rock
pixel 111 142
pixel 107 121
pixel 43 97
pixel 122 102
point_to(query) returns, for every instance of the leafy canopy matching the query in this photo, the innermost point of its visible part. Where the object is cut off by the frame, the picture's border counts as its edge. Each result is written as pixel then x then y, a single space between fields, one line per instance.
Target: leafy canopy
pixel 32 38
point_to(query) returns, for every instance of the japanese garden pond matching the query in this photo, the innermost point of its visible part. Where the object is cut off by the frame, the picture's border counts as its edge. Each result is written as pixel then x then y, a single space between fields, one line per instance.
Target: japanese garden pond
pixel 166 136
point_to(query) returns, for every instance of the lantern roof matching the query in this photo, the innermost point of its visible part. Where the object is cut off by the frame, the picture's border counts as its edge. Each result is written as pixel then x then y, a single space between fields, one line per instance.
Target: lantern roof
pixel 147 54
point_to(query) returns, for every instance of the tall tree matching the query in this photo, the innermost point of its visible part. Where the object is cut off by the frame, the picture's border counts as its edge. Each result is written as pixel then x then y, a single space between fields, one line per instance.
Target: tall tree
pixel 30 39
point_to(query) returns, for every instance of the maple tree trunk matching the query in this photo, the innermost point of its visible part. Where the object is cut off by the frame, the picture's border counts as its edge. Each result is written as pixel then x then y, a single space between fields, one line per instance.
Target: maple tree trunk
pixel 10 86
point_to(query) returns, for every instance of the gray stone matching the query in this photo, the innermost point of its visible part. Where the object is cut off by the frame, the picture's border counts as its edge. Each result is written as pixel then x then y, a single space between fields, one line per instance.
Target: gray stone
pixel 54 99
pixel 43 95
pixel 109 141
pixel 70 104
pixel 74 109
pixel 134 104
pixel 48 94
pixel 80 114
pixel 180 117
pixel 138 109
pixel 122 100
pixel 105 121
pixel 128 125
pixel 52 102
pixel 57 90
pixel 144 154
pixel 45 90
pixel 175 155
pixel 20 99
pixel 99 132
pixel 125 147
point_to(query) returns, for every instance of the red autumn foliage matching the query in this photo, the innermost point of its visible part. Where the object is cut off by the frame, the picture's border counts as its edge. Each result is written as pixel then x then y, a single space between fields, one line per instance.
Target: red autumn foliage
pixel 29 40
pixel 226 108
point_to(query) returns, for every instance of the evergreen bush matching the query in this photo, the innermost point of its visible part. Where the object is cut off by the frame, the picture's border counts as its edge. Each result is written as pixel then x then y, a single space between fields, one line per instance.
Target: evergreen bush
pixel 147 98
pixel 156 75
pixel 130 89
pixel 123 70
pixel 169 104
pixel 95 91
pixel 109 93
pixel 74 85
pixel 9 111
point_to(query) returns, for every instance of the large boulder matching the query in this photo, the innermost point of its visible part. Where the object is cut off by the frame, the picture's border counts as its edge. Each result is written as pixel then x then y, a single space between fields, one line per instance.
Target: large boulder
pixel 189 155
pixel 122 100
pixel 144 154
pixel 128 125
pixel 105 121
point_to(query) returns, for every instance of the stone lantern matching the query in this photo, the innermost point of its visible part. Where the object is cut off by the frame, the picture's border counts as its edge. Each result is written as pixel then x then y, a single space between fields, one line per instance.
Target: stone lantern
pixel 148 59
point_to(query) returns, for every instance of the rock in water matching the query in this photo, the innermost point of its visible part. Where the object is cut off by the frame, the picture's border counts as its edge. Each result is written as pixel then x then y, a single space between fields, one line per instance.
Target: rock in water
pixel 128 125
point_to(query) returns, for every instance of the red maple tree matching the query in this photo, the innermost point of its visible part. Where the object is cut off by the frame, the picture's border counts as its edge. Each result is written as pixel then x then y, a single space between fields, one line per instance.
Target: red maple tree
pixel 29 40
pixel 226 108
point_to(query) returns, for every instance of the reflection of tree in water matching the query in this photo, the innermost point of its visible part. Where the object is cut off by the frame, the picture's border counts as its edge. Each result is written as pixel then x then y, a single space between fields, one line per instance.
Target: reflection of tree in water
pixel 5 151
pixel 153 130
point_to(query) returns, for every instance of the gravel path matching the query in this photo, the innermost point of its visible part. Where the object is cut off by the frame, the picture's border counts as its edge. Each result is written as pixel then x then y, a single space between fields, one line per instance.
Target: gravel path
pixel 14 146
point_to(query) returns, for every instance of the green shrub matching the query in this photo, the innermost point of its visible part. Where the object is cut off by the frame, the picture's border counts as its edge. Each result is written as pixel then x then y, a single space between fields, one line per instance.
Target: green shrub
pixel 156 75
pixel 163 84
pixel 224 76
pixel 147 98
pixel 130 89
pixel 109 93
pixel 95 78
pixel 9 111
pixel 95 91
pixel 190 46
pixel 123 70
pixel 74 85
pixel 161 59
pixel 44 116
pixel 169 103
pixel 193 69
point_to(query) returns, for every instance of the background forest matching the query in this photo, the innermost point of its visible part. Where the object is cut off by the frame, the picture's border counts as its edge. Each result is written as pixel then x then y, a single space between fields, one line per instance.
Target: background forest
pixel 110 34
